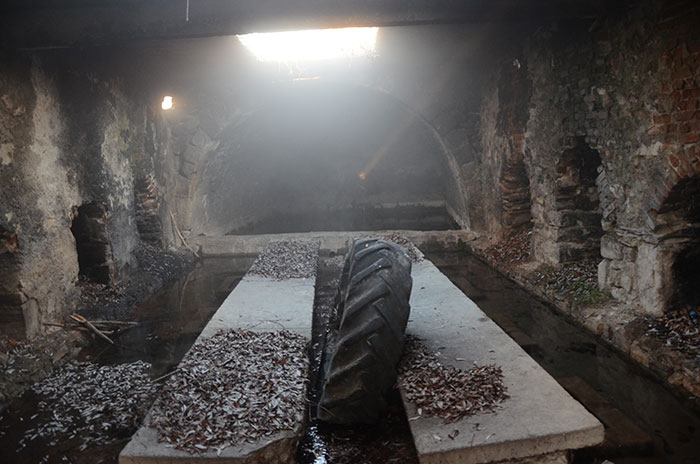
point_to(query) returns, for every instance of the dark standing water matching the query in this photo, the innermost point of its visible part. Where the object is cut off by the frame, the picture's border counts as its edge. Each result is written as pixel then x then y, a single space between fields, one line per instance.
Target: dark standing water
pixel 170 321
pixel 569 353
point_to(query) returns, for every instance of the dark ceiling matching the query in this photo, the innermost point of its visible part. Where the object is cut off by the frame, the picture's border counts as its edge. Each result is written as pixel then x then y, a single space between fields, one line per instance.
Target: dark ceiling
pixel 65 23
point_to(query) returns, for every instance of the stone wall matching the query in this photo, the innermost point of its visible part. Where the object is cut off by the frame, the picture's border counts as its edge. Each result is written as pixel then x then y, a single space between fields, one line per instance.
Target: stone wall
pixel 68 132
pixel 611 129
pixel 586 131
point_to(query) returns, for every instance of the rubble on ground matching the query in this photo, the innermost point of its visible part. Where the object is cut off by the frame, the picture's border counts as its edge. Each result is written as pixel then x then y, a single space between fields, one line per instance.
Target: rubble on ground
pixel 679 330
pixel 511 250
pixel 573 281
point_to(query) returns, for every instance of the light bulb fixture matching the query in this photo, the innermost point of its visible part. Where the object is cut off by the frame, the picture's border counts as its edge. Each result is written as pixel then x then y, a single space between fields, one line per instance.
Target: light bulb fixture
pixel 167 102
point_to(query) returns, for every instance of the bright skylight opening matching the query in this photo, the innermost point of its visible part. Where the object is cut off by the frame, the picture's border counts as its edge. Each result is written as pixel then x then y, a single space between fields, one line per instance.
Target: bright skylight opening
pixel 312 45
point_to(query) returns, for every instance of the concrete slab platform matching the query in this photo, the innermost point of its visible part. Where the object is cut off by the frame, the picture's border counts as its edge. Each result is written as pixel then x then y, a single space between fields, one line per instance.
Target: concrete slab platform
pixel 336 242
pixel 260 304
pixel 540 418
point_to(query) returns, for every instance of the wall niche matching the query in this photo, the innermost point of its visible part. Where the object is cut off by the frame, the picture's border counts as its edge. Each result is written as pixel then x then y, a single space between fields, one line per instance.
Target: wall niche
pixel 89 227
pixel 577 203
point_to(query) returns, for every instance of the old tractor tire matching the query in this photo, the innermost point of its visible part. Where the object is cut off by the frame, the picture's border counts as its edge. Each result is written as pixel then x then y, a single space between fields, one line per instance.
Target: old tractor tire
pixel 361 356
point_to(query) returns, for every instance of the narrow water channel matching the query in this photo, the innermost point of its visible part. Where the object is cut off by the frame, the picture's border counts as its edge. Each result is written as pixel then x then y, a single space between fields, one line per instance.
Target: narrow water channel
pixel 172 319
pixel 169 323
pixel 575 357
pixel 386 442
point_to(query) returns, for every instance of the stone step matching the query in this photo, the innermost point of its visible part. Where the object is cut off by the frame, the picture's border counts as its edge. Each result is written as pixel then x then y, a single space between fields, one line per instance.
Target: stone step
pixel 622 436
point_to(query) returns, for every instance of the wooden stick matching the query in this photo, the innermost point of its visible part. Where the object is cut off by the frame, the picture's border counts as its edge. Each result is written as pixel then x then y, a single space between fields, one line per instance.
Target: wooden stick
pixel 179 234
pixel 64 326
pixel 54 324
pixel 122 323
pixel 86 323
pixel 165 376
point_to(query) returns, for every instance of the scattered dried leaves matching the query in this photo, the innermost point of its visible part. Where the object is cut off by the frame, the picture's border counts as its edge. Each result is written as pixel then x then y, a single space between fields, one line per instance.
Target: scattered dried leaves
pixel 394 237
pixel 234 387
pixel 679 330
pixel 575 281
pixel 446 391
pixel 96 403
pixel 511 250
pixel 286 260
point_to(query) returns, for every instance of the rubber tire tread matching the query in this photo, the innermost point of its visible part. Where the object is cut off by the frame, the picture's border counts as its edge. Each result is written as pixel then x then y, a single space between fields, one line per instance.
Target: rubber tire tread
pixel 362 354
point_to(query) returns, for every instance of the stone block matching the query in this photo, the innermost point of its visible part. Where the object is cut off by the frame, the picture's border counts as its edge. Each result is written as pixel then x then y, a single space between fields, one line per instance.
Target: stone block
pixel 610 248
pixel 603 268
pixel 654 274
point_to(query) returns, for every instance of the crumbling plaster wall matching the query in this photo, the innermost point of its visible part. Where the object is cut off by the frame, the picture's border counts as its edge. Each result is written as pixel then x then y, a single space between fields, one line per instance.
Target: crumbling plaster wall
pixel 628 88
pixel 68 134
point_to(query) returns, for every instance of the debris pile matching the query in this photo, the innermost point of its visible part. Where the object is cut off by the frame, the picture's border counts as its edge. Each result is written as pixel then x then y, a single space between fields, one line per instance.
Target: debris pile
pixel 679 330
pixel 94 403
pixel 286 260
pixel 576 281
pixel 409 247
pixel 446 391
pixel 234 387
pixel 514 249
pixel 22 364
pixel 156 268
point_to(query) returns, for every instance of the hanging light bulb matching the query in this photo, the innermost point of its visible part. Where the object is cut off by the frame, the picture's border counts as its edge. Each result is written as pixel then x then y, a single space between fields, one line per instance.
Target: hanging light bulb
pixel 167 102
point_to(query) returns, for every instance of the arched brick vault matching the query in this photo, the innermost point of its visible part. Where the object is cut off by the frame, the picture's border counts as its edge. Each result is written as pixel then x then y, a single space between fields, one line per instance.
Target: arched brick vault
pixel 202 152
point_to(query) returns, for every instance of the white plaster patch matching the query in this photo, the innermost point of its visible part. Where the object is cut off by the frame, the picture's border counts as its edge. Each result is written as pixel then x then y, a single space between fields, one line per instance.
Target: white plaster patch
pixel 6 150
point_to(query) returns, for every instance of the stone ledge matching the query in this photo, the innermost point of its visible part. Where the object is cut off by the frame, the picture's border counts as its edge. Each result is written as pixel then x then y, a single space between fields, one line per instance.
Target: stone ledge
pixel 336 242
pixel 260 304
pixel 540 418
